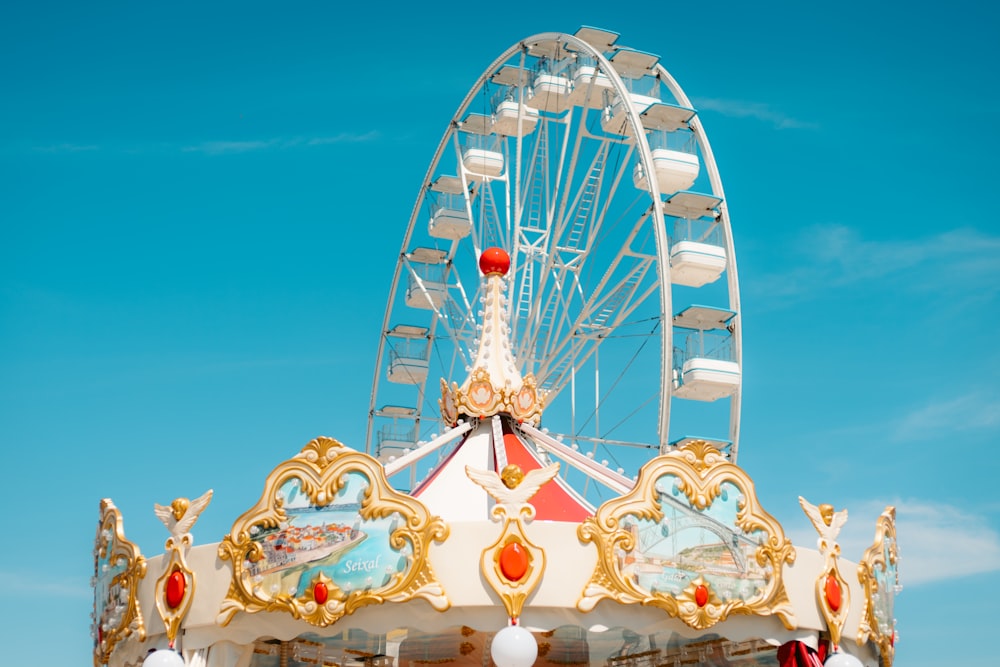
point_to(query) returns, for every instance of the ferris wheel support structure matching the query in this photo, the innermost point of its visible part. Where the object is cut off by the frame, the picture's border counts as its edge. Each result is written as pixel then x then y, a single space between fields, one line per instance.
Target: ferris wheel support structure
pixel 590 255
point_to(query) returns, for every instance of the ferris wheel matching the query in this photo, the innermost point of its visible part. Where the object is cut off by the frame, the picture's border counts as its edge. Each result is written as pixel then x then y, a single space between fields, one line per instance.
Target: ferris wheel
pixel 587 163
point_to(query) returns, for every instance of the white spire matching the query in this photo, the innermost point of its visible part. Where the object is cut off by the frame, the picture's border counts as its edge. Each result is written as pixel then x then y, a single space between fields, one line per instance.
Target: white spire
pixel 495 384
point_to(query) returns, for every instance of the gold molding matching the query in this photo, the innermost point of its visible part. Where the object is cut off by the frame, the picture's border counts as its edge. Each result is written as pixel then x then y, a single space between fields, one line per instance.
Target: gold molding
pixel 321 469
pixel 828 523
pixel 700 471
pixel 118 568
pixel 178 518
pixel 882 556
pixel 483 399
pixel 512 489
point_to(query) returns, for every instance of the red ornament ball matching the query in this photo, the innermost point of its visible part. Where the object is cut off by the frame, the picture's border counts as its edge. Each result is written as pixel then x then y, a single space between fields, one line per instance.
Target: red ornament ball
pixel 494 260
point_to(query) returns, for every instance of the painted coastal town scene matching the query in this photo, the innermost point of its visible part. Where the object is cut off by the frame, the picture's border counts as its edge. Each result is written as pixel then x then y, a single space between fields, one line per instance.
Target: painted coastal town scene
pixel 688 543
pixel 110 597
pixel 330 539
pixel 887 584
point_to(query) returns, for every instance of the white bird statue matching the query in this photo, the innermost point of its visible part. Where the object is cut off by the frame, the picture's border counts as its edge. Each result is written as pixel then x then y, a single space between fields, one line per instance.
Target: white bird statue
pixel 827 522
pixel 512 488
pixel 180 515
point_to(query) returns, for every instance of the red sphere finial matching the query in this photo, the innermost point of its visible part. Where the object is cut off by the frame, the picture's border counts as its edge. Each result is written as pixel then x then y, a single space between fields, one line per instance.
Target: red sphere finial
pixel 494 260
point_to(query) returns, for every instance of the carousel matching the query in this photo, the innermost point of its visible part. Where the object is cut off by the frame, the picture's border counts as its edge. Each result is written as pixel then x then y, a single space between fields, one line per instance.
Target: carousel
pixel 550 475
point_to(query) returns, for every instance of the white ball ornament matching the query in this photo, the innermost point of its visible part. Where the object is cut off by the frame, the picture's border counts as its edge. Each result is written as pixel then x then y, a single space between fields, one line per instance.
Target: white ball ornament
pixel 514 647
pixel 163 657
pixel 842 660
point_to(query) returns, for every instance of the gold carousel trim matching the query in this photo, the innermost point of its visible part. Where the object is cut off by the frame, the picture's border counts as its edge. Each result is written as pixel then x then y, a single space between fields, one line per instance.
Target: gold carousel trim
pixel 511 489
pixel 833 595
pixel 179 517
pixel 484 399
pixel 321 468
pixel 879 556
pixel 121 603
pixel 700 471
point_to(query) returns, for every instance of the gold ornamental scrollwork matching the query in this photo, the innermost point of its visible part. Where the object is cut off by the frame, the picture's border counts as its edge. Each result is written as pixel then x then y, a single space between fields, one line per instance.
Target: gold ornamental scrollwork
pixel 513 564
pixel 833 595
pixel 118 568
pixel 482 398
pixel 879 577
pixel 280 566
pixel 176 585
pixel 638 563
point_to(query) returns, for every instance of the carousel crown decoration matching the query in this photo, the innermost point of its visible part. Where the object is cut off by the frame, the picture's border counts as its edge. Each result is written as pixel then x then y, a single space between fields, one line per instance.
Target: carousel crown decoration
pixel 175 587
pixel 832 592
pixel 495 384
pixel 118 570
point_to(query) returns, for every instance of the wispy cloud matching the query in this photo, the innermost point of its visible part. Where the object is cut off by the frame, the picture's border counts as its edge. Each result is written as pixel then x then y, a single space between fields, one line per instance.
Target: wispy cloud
pixel 755 110
pixel 937 542
pixel 66 148
pixel 16 583
pixel 834 256
pixel 277 143
pixel 344 138
pixel 973 411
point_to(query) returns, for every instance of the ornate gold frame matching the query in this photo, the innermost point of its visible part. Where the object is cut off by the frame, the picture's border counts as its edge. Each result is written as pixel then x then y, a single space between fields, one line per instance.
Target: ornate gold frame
pixel 111 544
pixel 700 470
pixel 320 467
pixel 882 549
pixel 483 399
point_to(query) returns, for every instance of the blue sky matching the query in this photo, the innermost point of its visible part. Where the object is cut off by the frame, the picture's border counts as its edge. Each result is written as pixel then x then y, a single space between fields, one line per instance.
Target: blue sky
pixel 200 208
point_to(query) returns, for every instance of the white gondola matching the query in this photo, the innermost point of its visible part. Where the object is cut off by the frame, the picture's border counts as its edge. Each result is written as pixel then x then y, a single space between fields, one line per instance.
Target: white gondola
pixel 704 368
pixel 675 171
pixel 399 435
pixel 482 159
pixel 613 121
pixel 407 354
pixel 426 287
pixel 449 216
pixel 675 161
pixel 697 256
pixel 550 88
pixel 510 115
pixel 695 264
pixel 636 70
pixel 590 85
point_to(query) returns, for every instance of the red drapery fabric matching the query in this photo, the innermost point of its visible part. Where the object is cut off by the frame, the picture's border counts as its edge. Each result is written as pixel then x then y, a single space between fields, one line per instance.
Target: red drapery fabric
pixel 797 654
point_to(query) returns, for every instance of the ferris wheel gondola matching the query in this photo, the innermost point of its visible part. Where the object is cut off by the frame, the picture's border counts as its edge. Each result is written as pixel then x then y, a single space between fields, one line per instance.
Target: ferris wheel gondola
pixel 587 163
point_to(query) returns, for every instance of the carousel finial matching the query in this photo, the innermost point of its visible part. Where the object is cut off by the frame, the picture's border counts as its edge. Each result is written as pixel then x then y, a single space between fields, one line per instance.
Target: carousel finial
pixel 494 261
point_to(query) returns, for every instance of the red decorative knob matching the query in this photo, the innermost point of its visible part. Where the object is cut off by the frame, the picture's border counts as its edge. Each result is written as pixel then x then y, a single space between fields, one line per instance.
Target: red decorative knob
pixel 176 587
pixel 834 596
pixel 514 561
pixel 701 595
pixel 320 593
pixel 494 260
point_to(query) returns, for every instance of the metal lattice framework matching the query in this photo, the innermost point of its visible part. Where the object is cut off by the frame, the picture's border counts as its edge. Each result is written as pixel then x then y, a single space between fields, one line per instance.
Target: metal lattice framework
pixel 545 157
